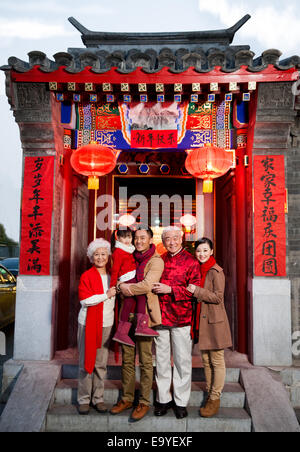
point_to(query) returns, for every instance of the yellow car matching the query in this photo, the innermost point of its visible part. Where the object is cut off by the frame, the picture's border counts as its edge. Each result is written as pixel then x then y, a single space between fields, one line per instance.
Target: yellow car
pixel 7 297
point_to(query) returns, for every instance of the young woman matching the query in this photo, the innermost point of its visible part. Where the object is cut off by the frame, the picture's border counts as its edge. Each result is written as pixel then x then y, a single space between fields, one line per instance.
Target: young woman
pixel 212 323
pixel 95 322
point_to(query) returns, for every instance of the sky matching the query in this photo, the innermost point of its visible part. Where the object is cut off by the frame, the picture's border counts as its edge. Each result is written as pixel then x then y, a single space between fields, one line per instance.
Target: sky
pixel 27 25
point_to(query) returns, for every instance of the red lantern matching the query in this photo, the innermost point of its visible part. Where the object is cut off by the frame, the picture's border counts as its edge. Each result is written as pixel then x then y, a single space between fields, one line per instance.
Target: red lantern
pixel 188 221
pixel 208 163
pixel 94 160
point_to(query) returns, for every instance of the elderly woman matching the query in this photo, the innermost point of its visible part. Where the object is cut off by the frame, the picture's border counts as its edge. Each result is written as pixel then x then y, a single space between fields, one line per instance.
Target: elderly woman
pixel 95 322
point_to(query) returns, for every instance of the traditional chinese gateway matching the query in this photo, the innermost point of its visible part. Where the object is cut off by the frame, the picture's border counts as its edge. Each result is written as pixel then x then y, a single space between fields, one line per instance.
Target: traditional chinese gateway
pixel 155 99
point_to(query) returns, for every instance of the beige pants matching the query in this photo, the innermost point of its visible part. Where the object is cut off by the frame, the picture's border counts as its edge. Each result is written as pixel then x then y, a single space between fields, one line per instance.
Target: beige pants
pixel 91 386
pixel 144 347
pixel 215 372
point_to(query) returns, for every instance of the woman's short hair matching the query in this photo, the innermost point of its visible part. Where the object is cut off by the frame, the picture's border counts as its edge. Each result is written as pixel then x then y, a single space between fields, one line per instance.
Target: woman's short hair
pixel 94 245
pixel 204 240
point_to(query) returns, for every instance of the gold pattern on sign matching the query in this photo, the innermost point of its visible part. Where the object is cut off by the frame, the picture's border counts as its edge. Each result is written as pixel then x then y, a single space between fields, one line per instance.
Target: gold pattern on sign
pixel 106 87
pixel 195 87
pixel 71 86
pixel 233 86
pixel 89 87
pixel 142 87
pixel 201 122
pixel 159 87
pixel 124 87
pixel 105 123
pixel 214 86
pixel 177 87
pixel 53 86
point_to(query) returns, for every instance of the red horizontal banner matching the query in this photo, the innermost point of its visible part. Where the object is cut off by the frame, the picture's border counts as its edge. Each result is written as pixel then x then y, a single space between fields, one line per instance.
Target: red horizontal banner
pixel 37 204
pixel 154 139
pixel 269 216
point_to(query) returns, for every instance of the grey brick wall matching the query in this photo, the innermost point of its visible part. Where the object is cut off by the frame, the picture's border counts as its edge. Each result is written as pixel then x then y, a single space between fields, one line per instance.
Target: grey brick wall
pixel 293 185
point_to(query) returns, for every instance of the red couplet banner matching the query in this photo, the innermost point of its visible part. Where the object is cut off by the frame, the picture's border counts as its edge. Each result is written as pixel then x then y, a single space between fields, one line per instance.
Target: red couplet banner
pixel 269 216
pixel 36 218
pixel 154 139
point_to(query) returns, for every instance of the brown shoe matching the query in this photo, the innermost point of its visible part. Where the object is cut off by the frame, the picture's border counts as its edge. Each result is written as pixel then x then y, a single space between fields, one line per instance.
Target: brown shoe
pixel 211 408
pixel 83 409
pixel 101 407
pixel 120 407
pixel 139 412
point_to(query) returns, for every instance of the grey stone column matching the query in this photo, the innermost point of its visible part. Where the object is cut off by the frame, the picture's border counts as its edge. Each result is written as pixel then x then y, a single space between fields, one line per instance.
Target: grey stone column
pixel 34 111
pixel 271 309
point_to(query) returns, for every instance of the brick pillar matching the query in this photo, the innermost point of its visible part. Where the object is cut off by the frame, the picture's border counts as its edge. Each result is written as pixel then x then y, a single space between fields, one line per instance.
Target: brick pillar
pixel 293 168
pixel 37 115
pixel 271 309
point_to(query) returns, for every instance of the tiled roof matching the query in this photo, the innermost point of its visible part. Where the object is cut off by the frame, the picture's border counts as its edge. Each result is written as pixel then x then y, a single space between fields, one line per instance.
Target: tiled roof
pixel 152 61
pixel 202 50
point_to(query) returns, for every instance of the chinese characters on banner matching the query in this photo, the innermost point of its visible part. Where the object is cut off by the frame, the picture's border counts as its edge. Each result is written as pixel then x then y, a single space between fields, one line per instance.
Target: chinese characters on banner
pixel 36 218
pixel 269 216
pixel 153 139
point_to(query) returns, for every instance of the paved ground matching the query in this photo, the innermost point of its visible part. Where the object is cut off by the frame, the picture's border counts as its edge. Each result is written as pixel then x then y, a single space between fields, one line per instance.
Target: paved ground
pixel 9 333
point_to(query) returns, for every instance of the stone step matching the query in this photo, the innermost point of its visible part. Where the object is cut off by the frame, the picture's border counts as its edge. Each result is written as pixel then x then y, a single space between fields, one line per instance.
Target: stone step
pixel 70 371
pixel 233 395
pixel 65 418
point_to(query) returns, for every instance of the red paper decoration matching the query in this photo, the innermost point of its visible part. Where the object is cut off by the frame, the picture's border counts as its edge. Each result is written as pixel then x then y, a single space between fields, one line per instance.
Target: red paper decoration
pixel 208 163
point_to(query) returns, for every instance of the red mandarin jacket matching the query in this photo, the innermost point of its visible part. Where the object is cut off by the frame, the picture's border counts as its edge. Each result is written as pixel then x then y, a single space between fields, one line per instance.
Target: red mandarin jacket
pixel 180 271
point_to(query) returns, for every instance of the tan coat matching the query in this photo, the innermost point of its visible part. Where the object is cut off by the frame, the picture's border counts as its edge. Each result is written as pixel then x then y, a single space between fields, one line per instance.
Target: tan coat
pixel 152 274
pixel 214 330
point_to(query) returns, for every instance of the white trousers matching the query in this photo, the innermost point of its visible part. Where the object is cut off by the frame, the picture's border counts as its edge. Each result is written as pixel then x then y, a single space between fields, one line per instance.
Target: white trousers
pixel 178 342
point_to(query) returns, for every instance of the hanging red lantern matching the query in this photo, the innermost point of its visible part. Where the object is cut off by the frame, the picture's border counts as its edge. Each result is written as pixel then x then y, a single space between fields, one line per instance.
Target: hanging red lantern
pixel 94 160
pixel 208 163
pixel 188 221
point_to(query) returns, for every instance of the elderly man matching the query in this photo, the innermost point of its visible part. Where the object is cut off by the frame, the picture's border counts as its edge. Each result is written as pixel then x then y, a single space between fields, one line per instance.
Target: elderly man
pixel 149 269
pixel 181 269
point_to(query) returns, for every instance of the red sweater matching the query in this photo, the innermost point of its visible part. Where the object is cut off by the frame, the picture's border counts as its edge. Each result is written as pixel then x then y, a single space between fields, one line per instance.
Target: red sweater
pixel 180 271
pixel 123 262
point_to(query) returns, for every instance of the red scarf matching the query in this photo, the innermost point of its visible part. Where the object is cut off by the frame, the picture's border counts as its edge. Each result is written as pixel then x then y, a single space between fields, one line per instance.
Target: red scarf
pixel 141 261
pixel 203 270
pixel 91 284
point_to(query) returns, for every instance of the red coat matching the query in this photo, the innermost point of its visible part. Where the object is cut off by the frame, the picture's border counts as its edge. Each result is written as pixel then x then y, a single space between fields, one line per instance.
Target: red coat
pixel 123 262
pixel 180 271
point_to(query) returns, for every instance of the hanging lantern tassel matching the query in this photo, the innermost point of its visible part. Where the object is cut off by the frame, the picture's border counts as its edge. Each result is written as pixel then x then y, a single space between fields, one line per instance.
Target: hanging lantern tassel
pixel 93 183
pixel 208 186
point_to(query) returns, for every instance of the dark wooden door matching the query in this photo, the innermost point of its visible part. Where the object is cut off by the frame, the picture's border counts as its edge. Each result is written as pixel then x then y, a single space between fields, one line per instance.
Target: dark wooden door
pixel 225 245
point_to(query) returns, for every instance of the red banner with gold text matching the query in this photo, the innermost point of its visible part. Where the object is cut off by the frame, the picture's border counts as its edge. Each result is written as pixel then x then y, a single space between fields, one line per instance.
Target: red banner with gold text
pixel 269 216
pixel 36 218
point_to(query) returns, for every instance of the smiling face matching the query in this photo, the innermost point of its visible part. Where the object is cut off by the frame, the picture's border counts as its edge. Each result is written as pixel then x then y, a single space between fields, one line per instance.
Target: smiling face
pixel 127 240
pixel 172 241
pixel 100 257
pixel 142 241
pixel 203 252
